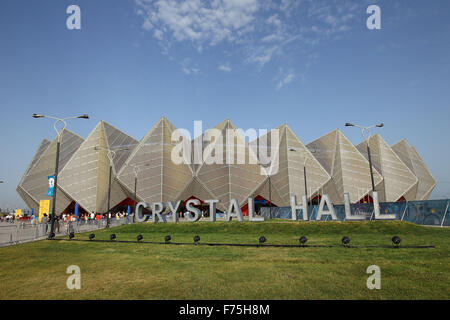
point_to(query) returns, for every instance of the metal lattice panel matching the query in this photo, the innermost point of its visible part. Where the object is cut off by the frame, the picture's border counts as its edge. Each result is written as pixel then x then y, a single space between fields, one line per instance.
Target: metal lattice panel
pixel 348 168
pixel 159 179
pixel 334 166
pixel 35 183
pixel 39 152
pixel 86 176
pixel 230 178
pixel 414 162
pixel 287 175
pixel 398 178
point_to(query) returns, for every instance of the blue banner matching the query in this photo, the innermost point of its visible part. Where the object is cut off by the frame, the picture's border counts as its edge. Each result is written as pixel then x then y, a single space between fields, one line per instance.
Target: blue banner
pixel 77 211
pixel 51 186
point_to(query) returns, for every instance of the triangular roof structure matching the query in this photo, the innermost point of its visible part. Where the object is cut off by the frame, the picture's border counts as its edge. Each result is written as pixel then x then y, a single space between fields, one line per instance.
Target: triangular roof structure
pixel 39 152
pixel 34 184
pixel 31 203
pixel 399 180
pixel 236 172
pixel 160 178
pixel 221 168
pixel 86 175
pixel 348 168
pixel 415 163
pixel 288 179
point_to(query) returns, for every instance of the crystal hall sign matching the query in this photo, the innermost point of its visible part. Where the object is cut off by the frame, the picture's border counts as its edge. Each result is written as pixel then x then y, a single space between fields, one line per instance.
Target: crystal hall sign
pixel 299 211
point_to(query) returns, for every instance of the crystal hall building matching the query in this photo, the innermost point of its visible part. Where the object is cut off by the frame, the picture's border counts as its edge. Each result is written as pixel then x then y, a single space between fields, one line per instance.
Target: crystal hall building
pixel 334 166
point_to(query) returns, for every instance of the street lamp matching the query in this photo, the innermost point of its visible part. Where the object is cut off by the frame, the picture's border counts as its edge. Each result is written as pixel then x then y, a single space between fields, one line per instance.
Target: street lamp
pixel 365 132
pixel 136 171
pixel 265 166
pixel 58 143
pixel 111 156
pixel 304 171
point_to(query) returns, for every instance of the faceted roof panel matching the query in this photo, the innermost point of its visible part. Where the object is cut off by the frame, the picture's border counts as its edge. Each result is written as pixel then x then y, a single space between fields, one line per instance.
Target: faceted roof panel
pixel 398 178
pixel 348 168
pixel 428 183
pixel 35 182
pixel 288 180
pixel 160 179
pixel 414 162
pixel 86 176
pixel 39 152
pixel 121 143
pixel 227 178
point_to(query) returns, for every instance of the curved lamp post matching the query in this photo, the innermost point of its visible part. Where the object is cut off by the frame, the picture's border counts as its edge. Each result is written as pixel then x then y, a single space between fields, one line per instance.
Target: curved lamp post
pixel 111 155
pixel 365 132
pixel 265 166
pixel 136 169
pixel 58 133
pixel 304 171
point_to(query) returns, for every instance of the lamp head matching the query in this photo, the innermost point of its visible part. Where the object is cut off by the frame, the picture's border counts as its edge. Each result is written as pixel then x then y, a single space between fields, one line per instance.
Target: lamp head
pixel 348 124
pixel 345 240
pixel 396 240
pixel 380 125
pixel 84 116
pixel 303 240
pixel 35 115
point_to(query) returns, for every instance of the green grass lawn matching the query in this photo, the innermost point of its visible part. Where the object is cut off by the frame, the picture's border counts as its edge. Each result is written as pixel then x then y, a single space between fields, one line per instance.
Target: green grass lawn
pixel 149 271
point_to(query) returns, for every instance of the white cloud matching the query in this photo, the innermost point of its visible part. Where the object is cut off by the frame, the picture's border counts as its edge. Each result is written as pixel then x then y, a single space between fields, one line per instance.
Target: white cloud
pixel 224 67
pixel 272 38
pixel 188 67
pixel 199 21
pixel 190 70
pixel 285 79
pixel 261 32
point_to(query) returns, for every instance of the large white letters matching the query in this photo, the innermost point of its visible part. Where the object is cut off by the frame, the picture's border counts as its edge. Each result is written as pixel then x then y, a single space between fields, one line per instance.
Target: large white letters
pixel 295 207
pixel 330 211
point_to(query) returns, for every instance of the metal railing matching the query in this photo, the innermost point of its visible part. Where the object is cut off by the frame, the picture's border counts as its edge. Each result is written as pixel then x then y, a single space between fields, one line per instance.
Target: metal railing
pixel 20 232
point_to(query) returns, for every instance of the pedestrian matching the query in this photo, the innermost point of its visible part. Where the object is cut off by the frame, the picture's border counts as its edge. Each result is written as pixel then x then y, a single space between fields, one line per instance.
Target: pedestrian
pixel 44 223
pixel 57 220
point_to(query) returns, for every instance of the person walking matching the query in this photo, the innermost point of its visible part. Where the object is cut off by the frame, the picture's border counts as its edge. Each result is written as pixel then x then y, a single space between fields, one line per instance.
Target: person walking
pixel 57 221
pixel 44 224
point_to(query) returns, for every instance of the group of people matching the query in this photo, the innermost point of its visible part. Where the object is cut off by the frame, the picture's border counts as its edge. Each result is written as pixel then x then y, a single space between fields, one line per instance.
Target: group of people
pixel 8 218
pixel 65 220
pixel 97 216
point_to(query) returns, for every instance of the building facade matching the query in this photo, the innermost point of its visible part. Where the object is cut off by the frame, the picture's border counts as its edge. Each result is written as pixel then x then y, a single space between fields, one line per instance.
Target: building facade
pixel 332 165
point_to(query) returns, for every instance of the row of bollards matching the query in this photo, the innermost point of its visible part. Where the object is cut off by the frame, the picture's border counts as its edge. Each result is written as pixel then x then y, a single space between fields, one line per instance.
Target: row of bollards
pixel 262 239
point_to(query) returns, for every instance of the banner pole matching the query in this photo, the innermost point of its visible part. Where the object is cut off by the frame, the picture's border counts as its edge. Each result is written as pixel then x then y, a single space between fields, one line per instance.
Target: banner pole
pixel 445 213
pixel 404 211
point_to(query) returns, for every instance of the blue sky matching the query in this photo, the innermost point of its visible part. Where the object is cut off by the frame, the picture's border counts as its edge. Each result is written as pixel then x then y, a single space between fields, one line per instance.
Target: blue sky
pixel 311 64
